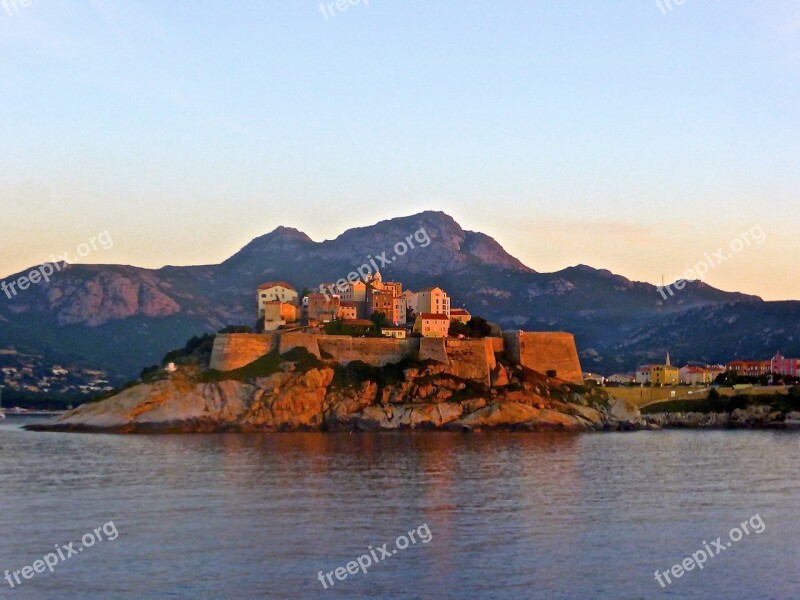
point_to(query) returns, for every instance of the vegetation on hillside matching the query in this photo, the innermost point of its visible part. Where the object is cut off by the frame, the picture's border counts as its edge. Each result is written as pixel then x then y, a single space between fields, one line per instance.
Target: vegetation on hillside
pixel 339 327
pixel 267 365
pixel 476 327
pixel 718 403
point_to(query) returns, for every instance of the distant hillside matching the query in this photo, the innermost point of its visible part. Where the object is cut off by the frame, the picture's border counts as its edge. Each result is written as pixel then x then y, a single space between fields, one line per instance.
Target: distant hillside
pixel 121 318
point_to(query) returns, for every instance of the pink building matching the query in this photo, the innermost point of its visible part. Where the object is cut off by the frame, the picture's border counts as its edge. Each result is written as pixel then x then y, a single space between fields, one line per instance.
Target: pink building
pixel 785 366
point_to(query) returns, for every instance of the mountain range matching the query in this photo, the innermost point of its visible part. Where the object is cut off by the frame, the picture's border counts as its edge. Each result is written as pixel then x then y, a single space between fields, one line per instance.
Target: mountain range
pixel 120 318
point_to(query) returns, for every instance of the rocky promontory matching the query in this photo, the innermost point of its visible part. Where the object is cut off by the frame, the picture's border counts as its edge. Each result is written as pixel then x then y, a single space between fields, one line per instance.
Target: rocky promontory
pixel 297 392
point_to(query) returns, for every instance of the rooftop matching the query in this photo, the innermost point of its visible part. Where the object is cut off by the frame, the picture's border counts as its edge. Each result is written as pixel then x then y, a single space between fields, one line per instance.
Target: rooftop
pixel 271 284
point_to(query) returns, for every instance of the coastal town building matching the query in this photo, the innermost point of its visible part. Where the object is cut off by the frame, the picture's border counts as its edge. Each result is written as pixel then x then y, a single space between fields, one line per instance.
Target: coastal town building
pixel 359 326
pixel 621 379
pixel 750 368
pixel 594 378
pixel 275 291
pixel 278 314
pixel 691 375
pixel 383 301
pixel 432 300
pixel 354 292
pixel 322 308
pixel 781 365
pixel 394 332
pixel 665 374
pixel 460 314
pixel 386 297
pixel 715 371
pixel 348 310
pixel 432 325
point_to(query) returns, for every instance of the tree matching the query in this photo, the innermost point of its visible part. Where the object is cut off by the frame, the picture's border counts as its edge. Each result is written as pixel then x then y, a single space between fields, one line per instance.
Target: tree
pixel 235 329
pixel 149 371
pixel 480 327
pixel 458 328
pixel 379 319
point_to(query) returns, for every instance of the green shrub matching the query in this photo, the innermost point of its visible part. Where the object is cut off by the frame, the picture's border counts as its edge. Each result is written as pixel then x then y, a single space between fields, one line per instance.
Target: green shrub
pixel 267 365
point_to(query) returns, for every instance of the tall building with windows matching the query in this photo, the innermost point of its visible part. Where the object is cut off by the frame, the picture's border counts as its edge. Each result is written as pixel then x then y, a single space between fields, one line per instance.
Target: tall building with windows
pixel 433 300
pixel 665 374
pixel 275 291
pixel 785 366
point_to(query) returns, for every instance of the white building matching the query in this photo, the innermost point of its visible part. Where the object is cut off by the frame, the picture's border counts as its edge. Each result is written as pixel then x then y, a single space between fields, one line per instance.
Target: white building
pixel 275 291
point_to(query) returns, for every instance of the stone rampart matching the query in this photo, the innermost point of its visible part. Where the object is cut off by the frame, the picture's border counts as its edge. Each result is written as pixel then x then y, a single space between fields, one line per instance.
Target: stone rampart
pixel 377 352
pixel 545 351
pixel 471 359
pixel 234 350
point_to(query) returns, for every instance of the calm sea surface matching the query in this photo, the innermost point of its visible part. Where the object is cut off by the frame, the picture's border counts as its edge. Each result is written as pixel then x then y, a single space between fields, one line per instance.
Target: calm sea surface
pixel 510 515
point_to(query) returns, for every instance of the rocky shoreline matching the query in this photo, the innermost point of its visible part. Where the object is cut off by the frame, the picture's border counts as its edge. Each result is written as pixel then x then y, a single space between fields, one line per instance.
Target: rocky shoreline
pixel 753 417
pixel 319 396
pixel 326 397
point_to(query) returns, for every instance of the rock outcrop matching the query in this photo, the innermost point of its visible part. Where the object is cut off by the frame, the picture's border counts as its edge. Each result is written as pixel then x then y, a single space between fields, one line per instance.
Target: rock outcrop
pixel 329 397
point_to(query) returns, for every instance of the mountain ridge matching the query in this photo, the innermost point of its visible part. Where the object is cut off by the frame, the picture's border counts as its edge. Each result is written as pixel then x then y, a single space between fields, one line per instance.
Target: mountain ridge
pixel 123 317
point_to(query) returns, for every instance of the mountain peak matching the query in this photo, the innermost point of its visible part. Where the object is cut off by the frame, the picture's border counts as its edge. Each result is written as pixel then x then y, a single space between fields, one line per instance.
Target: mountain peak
pixel 285 233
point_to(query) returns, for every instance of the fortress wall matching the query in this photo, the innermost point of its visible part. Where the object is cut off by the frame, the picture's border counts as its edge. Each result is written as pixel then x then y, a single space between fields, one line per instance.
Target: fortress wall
pixel 511 343
pixel 377 352
pixel 471 359
pixel 497 344
pixel 433 349
pixel 298 339
pixel 549 351
pixel 234 350
pixel 466 358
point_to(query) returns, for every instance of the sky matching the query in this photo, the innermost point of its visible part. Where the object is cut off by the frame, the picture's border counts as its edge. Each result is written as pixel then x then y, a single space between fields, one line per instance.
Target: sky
pixel 615 134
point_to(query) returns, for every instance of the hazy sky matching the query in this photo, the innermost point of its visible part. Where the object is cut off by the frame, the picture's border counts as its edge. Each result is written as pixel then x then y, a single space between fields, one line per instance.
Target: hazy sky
pixel 604 133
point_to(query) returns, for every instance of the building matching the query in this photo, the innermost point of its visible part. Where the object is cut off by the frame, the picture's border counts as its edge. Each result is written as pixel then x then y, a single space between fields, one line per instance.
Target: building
pixel 691 375
pixel 393 286
pixel 758 368
pixel 278 314
pixel 348 310
pixel 394 332
pixel 321 308
pixel 715 371
pixel 411 300
pixel 643 374
pixel 737 367
pixel 594 378
pixel 621 379
pixel 750 368
pixel 665 374
pixel 382 301
pixel 275 291
pixel 361 326
pixel 432 325
pixel 433 300
pixel 785 366
pixel 386 297
pixel 460 314
pixel 354 292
